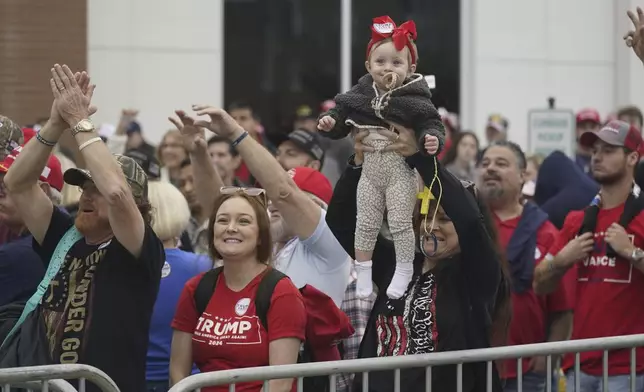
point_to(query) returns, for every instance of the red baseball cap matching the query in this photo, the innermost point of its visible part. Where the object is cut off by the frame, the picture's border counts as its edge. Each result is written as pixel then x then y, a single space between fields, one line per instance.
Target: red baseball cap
pixel 51 174
pixel 591 115
pixel 313 182
pixel 616 133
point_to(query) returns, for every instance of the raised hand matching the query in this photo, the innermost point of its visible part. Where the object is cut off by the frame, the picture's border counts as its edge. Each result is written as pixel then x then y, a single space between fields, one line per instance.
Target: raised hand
pixel 193 136
pixel 71 102
pixel 635 38
pixel 83 80
pixel 220 122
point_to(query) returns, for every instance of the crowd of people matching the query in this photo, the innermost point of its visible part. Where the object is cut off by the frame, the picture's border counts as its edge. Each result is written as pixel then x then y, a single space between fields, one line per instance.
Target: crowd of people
pixel 241 250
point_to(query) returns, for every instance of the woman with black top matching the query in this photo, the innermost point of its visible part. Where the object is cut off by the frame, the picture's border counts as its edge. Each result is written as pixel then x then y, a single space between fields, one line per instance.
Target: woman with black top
pixel 458 297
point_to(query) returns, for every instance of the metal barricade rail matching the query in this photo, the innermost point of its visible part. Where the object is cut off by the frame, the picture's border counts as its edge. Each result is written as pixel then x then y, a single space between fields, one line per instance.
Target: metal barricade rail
pixel 34 386
pixel 54 375
pixel 458 358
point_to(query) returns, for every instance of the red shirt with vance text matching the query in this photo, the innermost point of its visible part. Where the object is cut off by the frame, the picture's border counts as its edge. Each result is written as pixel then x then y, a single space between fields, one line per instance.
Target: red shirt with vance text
pixel 229 334
pixel 609 293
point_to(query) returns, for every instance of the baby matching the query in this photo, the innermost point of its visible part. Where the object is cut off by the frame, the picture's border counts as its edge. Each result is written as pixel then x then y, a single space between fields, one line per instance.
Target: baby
pixel 391 92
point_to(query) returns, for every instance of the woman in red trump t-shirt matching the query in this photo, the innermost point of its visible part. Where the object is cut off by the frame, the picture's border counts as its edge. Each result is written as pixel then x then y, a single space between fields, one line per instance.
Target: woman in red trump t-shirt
pixel 229 334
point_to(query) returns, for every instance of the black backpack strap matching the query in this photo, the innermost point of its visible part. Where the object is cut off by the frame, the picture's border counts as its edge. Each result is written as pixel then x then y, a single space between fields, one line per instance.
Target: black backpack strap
pixel 206 288
pixel 633 206
pixel 590 220
pixel 265 292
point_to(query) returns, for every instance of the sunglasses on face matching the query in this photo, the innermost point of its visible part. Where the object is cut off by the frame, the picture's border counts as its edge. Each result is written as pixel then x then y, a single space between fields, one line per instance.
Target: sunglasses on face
pixel 252 192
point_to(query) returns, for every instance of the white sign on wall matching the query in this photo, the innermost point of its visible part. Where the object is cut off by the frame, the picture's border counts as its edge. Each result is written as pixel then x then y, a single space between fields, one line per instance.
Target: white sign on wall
pixel 550 130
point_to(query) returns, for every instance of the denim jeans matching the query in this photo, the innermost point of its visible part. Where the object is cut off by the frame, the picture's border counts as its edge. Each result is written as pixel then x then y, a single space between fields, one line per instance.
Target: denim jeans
pixel 588 383
pixel 531 382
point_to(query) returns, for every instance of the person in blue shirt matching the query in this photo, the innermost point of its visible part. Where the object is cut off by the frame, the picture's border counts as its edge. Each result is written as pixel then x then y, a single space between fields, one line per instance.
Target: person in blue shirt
pixel 170 218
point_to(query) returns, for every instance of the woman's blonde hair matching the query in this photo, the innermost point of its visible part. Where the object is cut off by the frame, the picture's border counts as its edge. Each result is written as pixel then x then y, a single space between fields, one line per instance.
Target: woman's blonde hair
pixel 170 211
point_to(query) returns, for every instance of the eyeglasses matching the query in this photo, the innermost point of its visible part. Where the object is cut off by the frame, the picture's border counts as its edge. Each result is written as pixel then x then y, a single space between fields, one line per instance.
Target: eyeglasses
pixel 252 192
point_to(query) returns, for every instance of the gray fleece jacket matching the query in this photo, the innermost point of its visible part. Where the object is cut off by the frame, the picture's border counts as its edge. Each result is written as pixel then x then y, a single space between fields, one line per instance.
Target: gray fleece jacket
pixel 409 105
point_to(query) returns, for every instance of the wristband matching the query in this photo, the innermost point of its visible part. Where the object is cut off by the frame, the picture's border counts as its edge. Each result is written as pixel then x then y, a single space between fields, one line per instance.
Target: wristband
pixel 44 141
pixel 90 141
pixel 239 139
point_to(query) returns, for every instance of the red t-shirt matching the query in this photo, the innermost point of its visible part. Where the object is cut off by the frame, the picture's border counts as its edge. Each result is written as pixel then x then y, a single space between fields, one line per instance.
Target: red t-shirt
pixel 530 311
pixel 609 291
pixel 229 335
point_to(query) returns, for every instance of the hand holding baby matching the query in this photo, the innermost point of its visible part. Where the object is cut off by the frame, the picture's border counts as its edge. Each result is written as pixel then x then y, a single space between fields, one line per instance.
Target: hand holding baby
pixel 431 144
pixel 326 123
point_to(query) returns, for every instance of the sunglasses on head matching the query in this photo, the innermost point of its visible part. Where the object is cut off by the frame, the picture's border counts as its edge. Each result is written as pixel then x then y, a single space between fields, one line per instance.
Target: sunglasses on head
pixel 252 192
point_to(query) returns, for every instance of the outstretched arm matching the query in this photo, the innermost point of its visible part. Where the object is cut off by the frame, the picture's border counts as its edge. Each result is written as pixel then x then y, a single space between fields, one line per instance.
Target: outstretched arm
pixel 207 181
pixel 298 210
pixel 477 247
pixel 340 128
pixel 21 180
pixel 125 219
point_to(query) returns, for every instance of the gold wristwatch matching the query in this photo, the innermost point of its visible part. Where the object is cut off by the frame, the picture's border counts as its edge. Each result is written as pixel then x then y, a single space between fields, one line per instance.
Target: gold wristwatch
pixel 83 126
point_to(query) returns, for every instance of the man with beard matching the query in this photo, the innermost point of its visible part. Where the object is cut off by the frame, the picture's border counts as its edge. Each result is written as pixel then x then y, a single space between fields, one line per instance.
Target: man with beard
pixel 606 259
pixel 526 235
pixel 97 308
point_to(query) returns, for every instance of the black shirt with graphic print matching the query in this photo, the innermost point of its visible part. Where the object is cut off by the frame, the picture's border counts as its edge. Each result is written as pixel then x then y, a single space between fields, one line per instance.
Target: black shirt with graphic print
pixel 97 309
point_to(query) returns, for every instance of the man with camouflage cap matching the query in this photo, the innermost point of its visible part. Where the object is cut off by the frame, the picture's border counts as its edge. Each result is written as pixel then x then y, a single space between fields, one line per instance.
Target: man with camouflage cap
pixel 10 136
pixel 98 305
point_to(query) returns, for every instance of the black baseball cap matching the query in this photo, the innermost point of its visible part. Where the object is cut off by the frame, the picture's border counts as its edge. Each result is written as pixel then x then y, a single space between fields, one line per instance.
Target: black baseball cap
pixel 304 140
pixel 148 163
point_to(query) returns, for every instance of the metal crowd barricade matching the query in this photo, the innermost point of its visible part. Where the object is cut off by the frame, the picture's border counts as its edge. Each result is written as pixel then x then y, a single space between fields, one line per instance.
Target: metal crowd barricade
pixel 53 377
pixel 458 358
pixel 49 385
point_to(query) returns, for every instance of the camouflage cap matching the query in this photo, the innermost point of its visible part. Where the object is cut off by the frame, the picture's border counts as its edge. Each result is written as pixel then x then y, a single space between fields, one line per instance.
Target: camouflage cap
pixel 10 136
pixel 134 174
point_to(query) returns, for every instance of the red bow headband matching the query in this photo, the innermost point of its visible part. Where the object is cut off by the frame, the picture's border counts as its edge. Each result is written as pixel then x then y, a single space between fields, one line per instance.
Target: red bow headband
pixel 383 27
